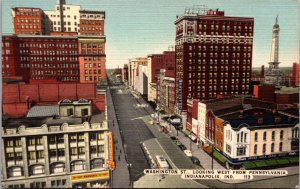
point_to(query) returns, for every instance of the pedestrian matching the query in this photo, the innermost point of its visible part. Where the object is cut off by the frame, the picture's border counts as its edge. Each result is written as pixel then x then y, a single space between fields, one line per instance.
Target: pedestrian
pixel 116 147
pixel 119 158
pixel 120 151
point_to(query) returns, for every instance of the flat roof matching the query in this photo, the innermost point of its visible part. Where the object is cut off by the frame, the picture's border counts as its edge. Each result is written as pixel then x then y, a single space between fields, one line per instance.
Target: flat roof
pixel 42 111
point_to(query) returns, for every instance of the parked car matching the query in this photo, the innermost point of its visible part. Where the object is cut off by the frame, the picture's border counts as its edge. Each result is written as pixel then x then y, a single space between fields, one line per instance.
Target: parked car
pixel 188 153
pixel 182 147
pixel 195 160
pixel 173 138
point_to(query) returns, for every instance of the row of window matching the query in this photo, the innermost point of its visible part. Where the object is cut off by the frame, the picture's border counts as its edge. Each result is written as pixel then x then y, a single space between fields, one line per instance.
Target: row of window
pixel 38 169
pixel 45 44
pixel 272 135
pixel 54 72
pixel 223 33
pixel 31 26
pixel 53 139
pixel 92 65
pixel 65 78
pixel 92 71
pixel 28 13
pixel 264 148
pixel 69 65
pixel 91 78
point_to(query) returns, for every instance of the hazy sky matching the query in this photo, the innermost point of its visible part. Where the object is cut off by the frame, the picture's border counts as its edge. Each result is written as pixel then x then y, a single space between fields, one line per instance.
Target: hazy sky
pixel 140 27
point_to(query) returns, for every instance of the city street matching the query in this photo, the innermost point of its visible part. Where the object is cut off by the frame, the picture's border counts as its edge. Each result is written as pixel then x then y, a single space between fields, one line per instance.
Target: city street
pixel 135 128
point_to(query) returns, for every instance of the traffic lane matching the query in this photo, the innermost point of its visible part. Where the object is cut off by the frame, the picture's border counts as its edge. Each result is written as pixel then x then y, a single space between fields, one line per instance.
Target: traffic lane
pixel 132 131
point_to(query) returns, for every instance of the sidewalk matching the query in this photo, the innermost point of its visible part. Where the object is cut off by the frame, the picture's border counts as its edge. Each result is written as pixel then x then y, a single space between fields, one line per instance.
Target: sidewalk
pixel 120 175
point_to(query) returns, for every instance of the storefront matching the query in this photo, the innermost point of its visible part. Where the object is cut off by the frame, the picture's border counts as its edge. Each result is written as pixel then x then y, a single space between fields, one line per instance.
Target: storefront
pixel 91 180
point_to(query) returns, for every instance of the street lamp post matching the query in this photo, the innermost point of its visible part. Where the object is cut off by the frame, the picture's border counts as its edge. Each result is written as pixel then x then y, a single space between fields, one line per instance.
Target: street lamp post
pixel 129 168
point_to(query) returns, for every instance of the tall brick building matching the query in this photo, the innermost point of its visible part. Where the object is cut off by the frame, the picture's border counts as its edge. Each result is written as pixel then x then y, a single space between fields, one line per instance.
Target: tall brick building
pixel 166 61
pixel 213 56
pixel 28 20
pixel 66 44
pixel 41 57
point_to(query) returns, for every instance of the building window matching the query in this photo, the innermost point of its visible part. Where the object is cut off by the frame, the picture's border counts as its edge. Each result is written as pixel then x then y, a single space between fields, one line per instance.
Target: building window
pixel 255 149
pixel 281 134
pixel 228 148
pixel 77 165
pixel 264 149
pixel 15 172
pixel 265 136
pixel 280 147
pixel 37 169
pixel 70 112
pixel 57 168
pixel 97 163
pixel 241 151
pixel 84 112
pixel 272 147
pixel 273 135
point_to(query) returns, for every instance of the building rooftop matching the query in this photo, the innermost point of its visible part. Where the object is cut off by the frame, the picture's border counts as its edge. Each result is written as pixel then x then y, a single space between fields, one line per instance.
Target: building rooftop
pixel 291 111
pixel 229 110
pixel 288 90
pixel 43 111
pixel 39 121
pixel 259 118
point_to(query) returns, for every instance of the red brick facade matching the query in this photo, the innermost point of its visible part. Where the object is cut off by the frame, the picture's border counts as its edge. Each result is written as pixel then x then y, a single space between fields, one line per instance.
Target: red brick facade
pixel 42 57
pixel 18 98
pixel 28 20
pixel 213 56
pixel 296 74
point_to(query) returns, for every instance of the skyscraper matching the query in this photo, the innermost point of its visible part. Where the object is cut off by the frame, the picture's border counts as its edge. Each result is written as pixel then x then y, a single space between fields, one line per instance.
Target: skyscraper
pixel 213 55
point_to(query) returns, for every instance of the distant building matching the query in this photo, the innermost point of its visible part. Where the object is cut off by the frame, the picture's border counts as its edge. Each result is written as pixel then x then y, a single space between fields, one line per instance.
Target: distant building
pixel 279 95
pixel 133 70
pixel 166 61
pixel 142 80
pixel 57 152
pixel 273 75
pixel 295 74
pixel 166 91
pixel 125 74
pixel 213 56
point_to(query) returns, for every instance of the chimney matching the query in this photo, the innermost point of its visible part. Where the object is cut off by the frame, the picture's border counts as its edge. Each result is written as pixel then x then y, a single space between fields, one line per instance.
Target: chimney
pixel 61 12
pixel 260 121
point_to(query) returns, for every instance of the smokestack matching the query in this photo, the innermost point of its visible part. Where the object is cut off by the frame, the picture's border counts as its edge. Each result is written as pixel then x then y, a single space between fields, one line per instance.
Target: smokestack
pixel 61 12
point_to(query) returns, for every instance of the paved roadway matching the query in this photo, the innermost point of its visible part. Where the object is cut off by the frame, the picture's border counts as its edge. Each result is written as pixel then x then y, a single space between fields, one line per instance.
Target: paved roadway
pixel 134 128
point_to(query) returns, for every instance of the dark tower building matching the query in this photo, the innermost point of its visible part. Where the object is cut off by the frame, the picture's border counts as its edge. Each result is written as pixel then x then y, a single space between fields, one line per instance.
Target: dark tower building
pixel 213 55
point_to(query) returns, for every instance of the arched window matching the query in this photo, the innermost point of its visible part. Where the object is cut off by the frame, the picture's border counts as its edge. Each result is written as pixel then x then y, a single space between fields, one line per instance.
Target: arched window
pixel 265 136
pixel 264 149
pixel 281 134
pixel 280 146
pixel 273 135
pixel 255 136
pixel 272 147
pixel 255 149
